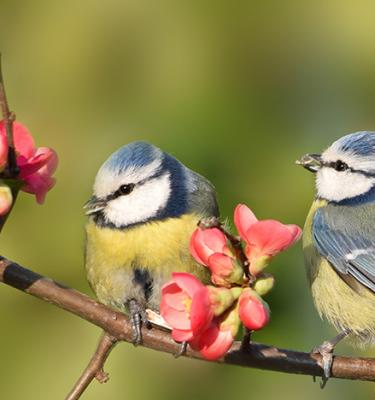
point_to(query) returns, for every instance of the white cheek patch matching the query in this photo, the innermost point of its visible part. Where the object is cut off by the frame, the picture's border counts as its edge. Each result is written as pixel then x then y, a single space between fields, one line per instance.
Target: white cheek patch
pixel 140 205
pixel 107 181
pixel 333 185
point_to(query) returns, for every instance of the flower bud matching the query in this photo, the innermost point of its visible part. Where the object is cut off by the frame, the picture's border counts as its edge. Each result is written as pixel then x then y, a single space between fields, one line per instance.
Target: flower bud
pixel 253 310
pixel 259 264
pixel 264 284
pixel 6 199
pixel 222 298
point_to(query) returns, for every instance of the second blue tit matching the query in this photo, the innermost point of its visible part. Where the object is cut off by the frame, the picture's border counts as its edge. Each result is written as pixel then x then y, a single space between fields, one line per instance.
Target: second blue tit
pixel 339 235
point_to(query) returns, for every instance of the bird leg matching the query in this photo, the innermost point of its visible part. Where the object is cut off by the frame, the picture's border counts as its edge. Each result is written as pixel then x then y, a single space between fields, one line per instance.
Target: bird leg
pixel 326 351
pixel 138 316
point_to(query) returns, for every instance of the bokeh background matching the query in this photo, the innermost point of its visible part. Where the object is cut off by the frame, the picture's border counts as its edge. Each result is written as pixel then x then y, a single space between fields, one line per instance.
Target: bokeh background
pixel 237 91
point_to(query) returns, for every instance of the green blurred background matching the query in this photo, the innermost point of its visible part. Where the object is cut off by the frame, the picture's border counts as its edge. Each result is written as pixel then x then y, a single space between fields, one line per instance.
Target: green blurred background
pixel 237 91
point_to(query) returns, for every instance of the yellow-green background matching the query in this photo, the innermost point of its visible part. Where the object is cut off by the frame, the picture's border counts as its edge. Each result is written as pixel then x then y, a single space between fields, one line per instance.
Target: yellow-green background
pixel 237 90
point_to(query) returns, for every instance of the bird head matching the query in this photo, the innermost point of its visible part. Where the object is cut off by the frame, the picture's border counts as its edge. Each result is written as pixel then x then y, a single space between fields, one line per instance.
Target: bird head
pixel 139 183
pixel 346 170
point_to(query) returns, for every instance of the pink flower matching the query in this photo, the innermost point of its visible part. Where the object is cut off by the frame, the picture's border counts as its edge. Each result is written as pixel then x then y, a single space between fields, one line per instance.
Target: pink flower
pixel 6 199
pixel 218 338
pixel 253 310
pixel 209 247
pixel 264 239
pixel 3 151
pixel 185 306
pixel 37 165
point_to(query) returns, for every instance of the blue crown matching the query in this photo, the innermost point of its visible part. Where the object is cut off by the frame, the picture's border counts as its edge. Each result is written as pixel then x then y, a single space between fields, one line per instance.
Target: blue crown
pixel 358 143
pixel 135 155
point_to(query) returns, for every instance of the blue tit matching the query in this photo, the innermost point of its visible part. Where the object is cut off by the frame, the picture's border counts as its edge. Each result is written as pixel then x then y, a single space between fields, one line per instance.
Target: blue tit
pixel 144 208
pixel 339 239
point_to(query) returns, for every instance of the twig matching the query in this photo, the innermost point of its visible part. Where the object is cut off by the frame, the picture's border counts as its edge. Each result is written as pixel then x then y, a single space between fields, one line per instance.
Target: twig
pixel 11 170
pixel 117 326
pixel 95 367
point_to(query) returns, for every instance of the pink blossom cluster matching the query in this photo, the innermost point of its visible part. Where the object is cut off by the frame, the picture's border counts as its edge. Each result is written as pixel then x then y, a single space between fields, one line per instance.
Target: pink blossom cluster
pixel 209 317
pixel 36 165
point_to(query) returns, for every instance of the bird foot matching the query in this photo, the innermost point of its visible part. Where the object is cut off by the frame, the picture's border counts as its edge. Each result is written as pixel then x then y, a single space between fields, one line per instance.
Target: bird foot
pixel 326 351
pixel 138 317
pixel 181 350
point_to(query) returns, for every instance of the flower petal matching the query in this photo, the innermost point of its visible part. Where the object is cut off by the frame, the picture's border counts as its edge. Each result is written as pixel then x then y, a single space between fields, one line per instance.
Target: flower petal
pixel 39 185
pixel 253 310
pixel 201 312
pixel 23 141
pixel 175 318
pixel 3 149
pixel 173 296
pixel 243 219
pixel 213 343
pixel 220 264
pixel 180 335
pixel 194 241
pixel 204 242
pixel 270 236
pixel 187 282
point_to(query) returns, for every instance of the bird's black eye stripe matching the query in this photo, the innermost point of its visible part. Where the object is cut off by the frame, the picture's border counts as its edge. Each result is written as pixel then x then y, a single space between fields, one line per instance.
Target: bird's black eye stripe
pixel 123 190
pixel 339 165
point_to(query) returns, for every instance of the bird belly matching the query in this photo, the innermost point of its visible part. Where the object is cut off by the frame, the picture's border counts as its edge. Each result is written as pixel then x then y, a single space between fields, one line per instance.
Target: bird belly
pixel 136 262
pixel 340 300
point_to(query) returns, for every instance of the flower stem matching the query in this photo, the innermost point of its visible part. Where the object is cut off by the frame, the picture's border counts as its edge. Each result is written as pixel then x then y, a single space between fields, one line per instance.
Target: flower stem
pixel 11 170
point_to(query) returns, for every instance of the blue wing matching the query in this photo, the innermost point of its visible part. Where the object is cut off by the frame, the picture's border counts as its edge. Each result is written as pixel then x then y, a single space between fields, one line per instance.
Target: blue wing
pixel 349 252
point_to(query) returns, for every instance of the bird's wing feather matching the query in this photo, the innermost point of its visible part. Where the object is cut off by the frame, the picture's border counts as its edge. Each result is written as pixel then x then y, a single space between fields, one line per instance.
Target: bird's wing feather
pixel 350 253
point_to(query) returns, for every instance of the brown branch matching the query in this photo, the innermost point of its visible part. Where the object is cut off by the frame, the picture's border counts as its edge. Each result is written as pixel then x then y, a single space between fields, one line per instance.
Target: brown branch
pixel 117 327
pixel 95 367
pixel 12 170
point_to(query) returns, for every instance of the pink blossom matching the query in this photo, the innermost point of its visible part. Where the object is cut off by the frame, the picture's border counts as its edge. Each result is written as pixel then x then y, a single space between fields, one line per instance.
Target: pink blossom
pixel 36 165
pixel 264 239
pixel 3 151
pixel 209 247
pixel 253 310
pixel 218 338
pixel 185 306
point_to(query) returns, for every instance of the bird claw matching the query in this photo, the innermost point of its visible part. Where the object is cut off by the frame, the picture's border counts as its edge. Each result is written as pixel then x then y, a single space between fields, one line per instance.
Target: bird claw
pixel 326 351
pixel 138 316
pixel 181 350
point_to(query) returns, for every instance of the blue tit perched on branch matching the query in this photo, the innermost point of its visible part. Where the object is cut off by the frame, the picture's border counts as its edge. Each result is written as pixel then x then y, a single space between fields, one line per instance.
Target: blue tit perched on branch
pixel 339 239
pixel 144 208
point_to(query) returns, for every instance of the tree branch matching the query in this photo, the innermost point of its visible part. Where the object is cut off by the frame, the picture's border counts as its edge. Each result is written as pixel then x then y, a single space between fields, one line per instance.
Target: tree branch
pixel 117 328
pixel 11 171
pixel 95 367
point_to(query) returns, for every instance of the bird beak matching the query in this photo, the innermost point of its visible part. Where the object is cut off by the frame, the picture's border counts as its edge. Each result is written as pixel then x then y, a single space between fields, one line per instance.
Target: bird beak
pixel 94 205
pixel 312 162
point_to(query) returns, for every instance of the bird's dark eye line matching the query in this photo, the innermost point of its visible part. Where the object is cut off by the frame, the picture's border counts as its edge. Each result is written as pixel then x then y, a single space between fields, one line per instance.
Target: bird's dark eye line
pixel 123 190
pixel 339 165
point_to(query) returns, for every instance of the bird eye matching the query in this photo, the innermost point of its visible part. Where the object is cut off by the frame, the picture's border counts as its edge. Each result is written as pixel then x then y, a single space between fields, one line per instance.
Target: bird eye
pixel 340 166
pixel 125 189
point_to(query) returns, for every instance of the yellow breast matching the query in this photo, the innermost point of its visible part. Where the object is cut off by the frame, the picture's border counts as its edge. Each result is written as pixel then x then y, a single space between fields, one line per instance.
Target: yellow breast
pixel 161 247
pixel 334 298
